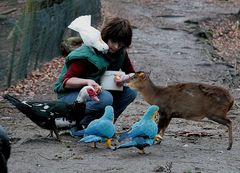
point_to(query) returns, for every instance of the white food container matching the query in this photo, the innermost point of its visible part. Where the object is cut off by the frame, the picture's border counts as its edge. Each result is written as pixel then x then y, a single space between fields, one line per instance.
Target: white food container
pixel 107 80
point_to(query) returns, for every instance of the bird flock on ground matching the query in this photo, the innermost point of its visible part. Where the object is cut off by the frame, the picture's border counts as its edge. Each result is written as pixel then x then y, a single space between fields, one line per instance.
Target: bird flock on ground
pixel 140 135
pixel 46 115
pixel 58 115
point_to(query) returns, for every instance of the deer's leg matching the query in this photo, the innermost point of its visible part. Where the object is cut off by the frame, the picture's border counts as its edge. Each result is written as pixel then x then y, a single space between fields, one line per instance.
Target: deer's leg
pixel 227 122
pixel 163 123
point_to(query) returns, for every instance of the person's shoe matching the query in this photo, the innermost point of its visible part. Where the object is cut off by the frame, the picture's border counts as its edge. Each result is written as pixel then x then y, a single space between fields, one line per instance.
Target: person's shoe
pixel 76 132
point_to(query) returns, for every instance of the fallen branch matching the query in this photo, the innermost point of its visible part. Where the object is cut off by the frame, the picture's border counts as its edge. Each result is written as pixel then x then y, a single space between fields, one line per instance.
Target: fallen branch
pixel 46 157
pixel 8 11
pixel 198 134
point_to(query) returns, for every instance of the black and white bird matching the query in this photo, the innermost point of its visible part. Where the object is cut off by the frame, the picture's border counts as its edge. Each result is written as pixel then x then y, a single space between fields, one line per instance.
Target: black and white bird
pixel 55 115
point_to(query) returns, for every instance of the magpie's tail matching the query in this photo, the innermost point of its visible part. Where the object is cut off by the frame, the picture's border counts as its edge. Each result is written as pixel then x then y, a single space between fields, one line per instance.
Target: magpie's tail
pixel 24 108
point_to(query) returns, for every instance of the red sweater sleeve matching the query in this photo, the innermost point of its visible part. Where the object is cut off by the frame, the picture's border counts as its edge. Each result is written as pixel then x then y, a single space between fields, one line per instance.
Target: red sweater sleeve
pixel 77 68
pixel 127 66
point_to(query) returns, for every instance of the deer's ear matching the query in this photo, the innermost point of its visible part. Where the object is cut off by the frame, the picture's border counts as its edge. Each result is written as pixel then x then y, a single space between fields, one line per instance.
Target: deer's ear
pixel 147 74
pixel 141 75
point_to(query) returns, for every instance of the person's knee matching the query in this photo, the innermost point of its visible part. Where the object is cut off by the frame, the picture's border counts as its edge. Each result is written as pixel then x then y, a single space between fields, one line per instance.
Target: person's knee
pixel 105 99
pixel 133 94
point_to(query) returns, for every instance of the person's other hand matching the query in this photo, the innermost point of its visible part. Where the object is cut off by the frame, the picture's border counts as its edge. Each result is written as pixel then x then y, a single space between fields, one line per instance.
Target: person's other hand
pixel 95 85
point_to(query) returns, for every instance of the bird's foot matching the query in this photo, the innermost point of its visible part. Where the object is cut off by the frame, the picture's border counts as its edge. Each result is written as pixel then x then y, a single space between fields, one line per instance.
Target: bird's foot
pixel 141 152
pixel 94 145
pixel 108 143
pixel 57 135
pixel 50 135
pixel 113 148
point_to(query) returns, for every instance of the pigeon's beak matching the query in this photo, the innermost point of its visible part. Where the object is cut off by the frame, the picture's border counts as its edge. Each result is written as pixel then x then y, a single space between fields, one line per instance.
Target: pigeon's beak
pixel 103 46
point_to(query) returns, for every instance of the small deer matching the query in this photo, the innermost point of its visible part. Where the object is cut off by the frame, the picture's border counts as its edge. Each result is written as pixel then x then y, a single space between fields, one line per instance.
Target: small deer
pixel 191 101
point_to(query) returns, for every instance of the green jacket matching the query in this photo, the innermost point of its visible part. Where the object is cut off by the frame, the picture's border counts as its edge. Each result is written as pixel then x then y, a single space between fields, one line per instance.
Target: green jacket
pixel 102 62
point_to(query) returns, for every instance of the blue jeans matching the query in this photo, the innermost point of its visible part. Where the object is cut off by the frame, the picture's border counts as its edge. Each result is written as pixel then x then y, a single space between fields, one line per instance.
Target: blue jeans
pixel 118 99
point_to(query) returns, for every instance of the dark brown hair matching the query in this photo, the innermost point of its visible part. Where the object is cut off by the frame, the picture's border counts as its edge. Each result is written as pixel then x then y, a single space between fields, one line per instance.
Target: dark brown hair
pixel 118 30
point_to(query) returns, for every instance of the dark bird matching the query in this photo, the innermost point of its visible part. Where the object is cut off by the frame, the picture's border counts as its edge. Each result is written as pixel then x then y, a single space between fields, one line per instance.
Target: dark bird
pixel 5 149
pixel 142 133
pixel 55 115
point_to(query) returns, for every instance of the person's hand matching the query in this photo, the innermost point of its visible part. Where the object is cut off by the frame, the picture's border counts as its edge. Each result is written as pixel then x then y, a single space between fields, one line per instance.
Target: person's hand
pixel 120 79
pixel 95 85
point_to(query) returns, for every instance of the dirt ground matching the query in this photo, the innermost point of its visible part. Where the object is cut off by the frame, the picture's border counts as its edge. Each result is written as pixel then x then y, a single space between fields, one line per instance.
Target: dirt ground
pixel 165 44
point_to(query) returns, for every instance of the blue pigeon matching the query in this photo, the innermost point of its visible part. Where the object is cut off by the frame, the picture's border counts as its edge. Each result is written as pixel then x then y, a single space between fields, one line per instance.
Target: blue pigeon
pixel 101 130
pixel 142 133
